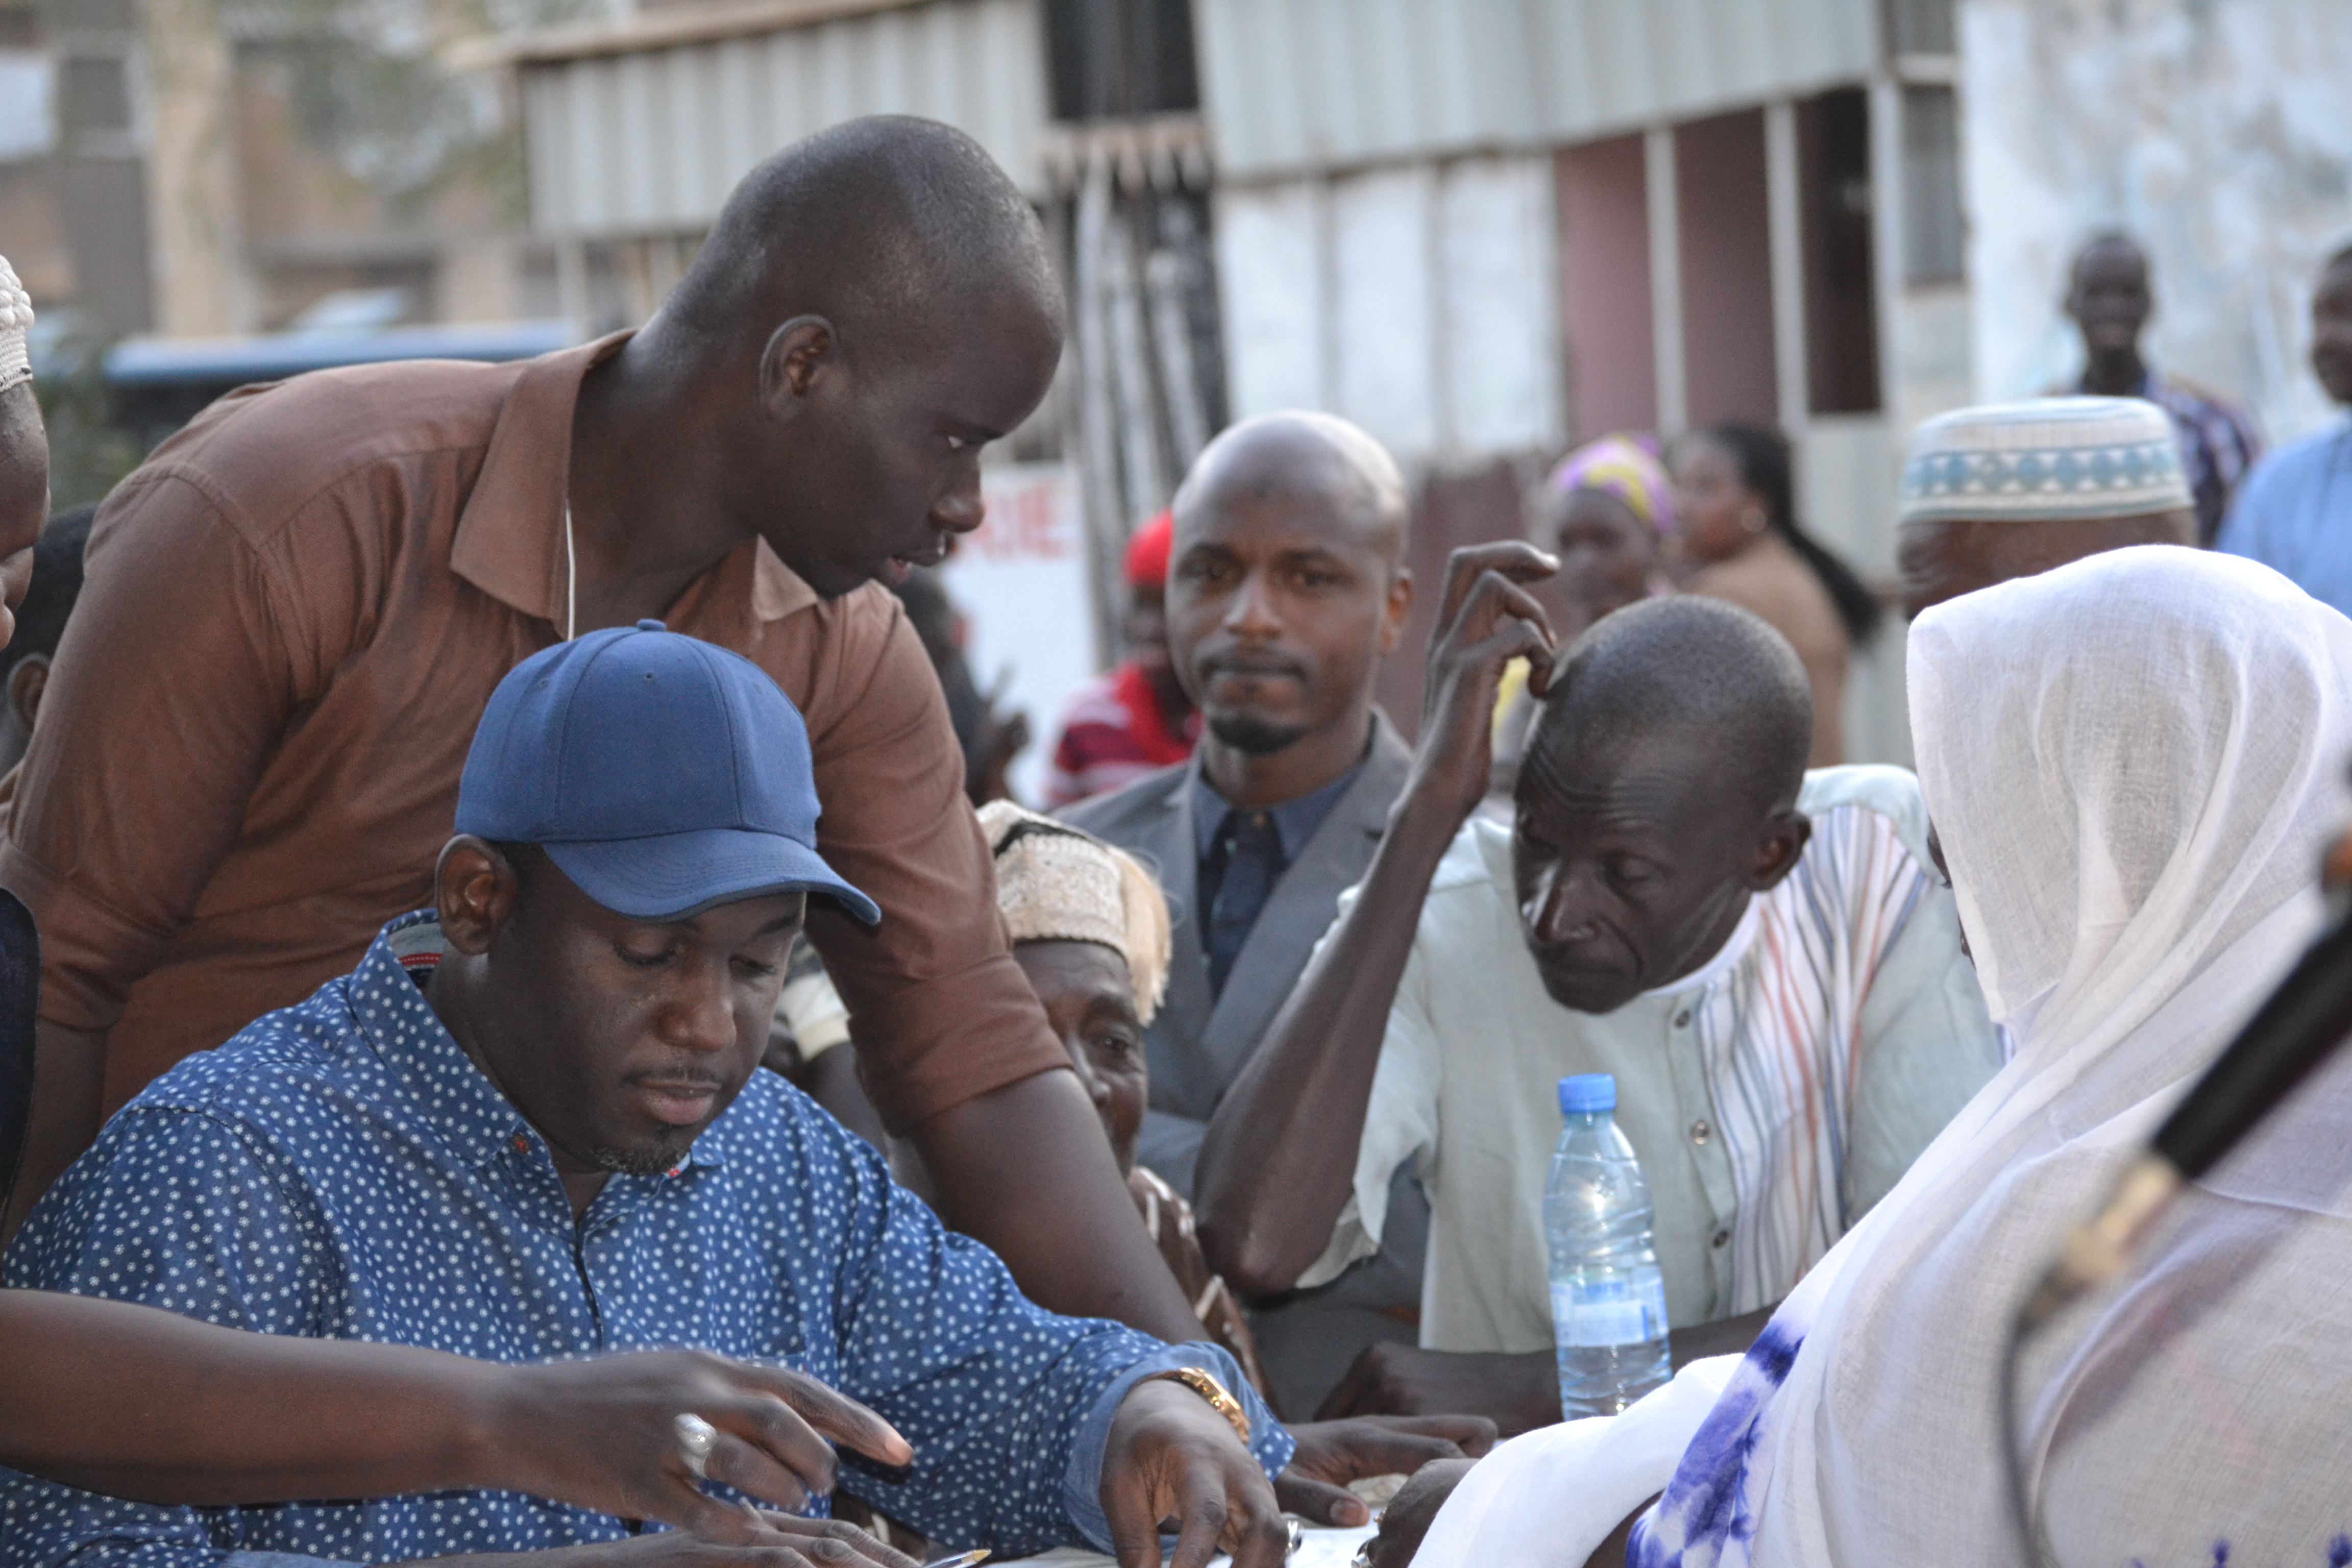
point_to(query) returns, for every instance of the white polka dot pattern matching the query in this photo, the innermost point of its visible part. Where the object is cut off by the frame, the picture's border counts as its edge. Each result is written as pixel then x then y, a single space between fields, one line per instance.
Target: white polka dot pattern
pixel 343 1169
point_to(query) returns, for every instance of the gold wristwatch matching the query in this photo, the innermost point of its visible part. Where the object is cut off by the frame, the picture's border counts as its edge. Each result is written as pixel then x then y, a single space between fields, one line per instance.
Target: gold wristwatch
pixel 1210 1389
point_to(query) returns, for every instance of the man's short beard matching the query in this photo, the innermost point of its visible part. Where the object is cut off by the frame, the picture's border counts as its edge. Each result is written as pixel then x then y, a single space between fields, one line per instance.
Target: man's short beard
pixel 650 1158
pixel 1253 736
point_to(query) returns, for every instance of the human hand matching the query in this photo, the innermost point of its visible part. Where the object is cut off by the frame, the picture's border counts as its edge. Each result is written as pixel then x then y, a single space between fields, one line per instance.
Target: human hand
pixel 1411 1512
pixel 1002 737
pixel 1488 620
pixel 1333 1453
pixel 1515 1392
pixel 1170 1457
pixel 602 1434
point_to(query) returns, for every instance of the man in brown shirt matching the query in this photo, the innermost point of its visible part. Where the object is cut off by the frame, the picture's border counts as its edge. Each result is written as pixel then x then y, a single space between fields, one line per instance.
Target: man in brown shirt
pixel 296 609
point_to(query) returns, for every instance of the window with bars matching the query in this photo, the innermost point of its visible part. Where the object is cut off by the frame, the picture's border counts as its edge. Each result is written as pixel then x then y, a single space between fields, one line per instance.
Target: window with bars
pixel 1116 59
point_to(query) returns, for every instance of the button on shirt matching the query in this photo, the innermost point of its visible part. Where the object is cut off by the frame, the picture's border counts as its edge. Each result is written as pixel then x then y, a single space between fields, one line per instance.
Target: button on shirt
pixel 1773 1095
pixel 1242 855
pixel 342 1169
pixel 293 615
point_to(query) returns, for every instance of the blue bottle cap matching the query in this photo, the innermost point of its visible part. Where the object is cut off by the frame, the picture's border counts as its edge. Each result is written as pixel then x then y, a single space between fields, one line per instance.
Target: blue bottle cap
pixel 1581 1094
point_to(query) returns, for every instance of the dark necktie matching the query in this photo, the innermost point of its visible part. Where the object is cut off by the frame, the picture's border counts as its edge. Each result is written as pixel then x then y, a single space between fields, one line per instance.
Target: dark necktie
pixel 1244 865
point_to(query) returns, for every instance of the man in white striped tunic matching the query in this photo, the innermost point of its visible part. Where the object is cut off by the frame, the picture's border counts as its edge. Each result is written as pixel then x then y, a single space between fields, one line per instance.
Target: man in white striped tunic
pixel 1766 959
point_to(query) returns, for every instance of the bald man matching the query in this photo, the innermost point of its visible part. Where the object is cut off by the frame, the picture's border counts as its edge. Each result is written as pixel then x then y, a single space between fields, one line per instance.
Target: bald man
pixel 1764 959
pixel 296 609
pixel 2011 490
pixel 2110 299
pixel 1287 587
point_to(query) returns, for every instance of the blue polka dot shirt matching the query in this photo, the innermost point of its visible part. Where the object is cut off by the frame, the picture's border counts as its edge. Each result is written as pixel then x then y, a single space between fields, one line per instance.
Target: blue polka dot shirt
pixel 343 1169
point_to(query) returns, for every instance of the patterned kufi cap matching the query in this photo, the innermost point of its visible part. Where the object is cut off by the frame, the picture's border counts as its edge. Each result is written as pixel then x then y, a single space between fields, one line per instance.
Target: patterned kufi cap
pixel 2046 459
pixel 1055 883
pixel 16 319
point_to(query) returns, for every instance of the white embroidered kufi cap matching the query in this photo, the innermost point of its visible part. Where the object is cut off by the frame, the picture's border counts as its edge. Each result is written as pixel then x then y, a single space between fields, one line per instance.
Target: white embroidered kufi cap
pixel 2042 460
pixel 1055 883
pixel 16 319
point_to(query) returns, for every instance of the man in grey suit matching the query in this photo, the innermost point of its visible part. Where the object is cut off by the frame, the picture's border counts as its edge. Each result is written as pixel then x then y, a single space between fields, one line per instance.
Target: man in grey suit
pixel 1286 586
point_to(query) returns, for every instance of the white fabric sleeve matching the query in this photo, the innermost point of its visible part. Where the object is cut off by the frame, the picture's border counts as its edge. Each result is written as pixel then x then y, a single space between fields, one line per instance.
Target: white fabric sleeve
pixel 814 1013
pixel 16 319
pixel 1400 1124
pixel 1928 1046
pixel 1550 1497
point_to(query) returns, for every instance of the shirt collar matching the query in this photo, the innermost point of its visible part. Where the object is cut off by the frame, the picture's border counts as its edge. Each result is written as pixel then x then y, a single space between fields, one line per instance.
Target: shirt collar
pixel 1726 957
pixel 1295 820
pixel 458 1099
pixel 509 535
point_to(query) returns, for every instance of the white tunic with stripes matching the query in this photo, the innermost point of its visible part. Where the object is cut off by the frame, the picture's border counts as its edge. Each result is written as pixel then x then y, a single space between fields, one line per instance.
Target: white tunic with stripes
pixel 1773 1095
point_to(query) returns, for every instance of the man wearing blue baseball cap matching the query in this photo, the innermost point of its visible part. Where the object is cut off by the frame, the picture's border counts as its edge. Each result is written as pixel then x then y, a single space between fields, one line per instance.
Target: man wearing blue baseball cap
pixel 530 1125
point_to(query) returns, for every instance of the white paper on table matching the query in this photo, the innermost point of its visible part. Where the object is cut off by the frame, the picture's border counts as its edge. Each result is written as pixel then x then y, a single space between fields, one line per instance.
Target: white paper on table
pixel 1320 1549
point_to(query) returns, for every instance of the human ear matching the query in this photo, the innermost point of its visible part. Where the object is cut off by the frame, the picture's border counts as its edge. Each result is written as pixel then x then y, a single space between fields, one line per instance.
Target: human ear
pixel 1786 834
pixel 798 354
pixel 474 889
pixel 26 682
pixel 1399 609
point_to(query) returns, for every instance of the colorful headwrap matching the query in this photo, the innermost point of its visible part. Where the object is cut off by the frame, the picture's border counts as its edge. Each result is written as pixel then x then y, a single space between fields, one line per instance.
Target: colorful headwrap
pixel 1147 552
pixel 1627 466
pixel 1055 883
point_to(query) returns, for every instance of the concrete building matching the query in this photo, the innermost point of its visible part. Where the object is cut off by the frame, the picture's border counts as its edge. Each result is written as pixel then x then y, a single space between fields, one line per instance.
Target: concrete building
pixel 193 168
pixel 2218 133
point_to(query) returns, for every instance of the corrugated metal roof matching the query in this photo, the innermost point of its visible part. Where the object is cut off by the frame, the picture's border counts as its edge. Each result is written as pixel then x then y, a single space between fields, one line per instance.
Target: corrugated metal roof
pixel 650 142
pixel 1297 86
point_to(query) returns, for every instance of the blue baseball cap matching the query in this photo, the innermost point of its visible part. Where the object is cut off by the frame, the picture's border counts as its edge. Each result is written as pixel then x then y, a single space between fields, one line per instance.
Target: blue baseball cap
pixel 663 774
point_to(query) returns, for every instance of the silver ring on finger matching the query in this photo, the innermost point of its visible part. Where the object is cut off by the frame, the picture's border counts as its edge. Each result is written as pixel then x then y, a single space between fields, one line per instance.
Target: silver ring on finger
pixel 696 1439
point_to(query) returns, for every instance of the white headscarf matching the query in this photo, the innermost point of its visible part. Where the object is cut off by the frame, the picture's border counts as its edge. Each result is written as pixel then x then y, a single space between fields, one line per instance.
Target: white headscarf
pixel 2133 763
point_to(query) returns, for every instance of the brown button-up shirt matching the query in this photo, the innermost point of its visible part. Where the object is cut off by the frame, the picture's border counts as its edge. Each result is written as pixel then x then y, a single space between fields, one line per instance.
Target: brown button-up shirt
pixel 294 614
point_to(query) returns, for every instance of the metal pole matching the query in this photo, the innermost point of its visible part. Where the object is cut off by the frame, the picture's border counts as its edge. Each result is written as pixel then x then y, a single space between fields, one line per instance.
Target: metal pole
pixel 1665 281
pixel 1791 377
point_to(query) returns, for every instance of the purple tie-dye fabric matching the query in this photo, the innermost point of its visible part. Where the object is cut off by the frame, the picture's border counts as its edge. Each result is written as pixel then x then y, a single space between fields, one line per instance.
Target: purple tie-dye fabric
pixel 1703 1519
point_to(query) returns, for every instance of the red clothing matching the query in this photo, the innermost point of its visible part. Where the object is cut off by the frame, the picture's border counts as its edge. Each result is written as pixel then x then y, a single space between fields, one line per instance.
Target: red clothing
pixel 1112 734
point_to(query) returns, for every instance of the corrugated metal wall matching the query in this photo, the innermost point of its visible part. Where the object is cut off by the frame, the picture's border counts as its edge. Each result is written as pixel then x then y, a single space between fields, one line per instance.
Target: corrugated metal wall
pixel 1292 86
pixel 651 143
pixel 1419 300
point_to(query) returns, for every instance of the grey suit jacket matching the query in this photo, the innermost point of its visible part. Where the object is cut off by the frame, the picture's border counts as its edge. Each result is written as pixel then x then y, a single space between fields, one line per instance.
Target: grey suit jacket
pixel 1198 1043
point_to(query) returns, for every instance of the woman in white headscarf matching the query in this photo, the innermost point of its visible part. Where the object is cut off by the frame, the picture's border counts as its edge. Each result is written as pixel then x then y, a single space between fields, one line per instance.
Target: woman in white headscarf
pixel 2133 763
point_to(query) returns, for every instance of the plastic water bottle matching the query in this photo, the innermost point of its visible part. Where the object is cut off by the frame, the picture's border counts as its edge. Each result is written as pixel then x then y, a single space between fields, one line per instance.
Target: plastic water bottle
pixel 1608 1299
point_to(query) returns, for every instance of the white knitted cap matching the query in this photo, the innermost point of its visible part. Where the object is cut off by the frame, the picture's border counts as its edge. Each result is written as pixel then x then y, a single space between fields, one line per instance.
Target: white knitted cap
pixel 2044 460
pixel 1055 883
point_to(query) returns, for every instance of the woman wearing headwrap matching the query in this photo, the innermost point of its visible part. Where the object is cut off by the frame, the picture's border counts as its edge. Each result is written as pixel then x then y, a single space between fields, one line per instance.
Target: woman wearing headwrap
pixel 2134 764
pixel 1089 929
pixel 1607 511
